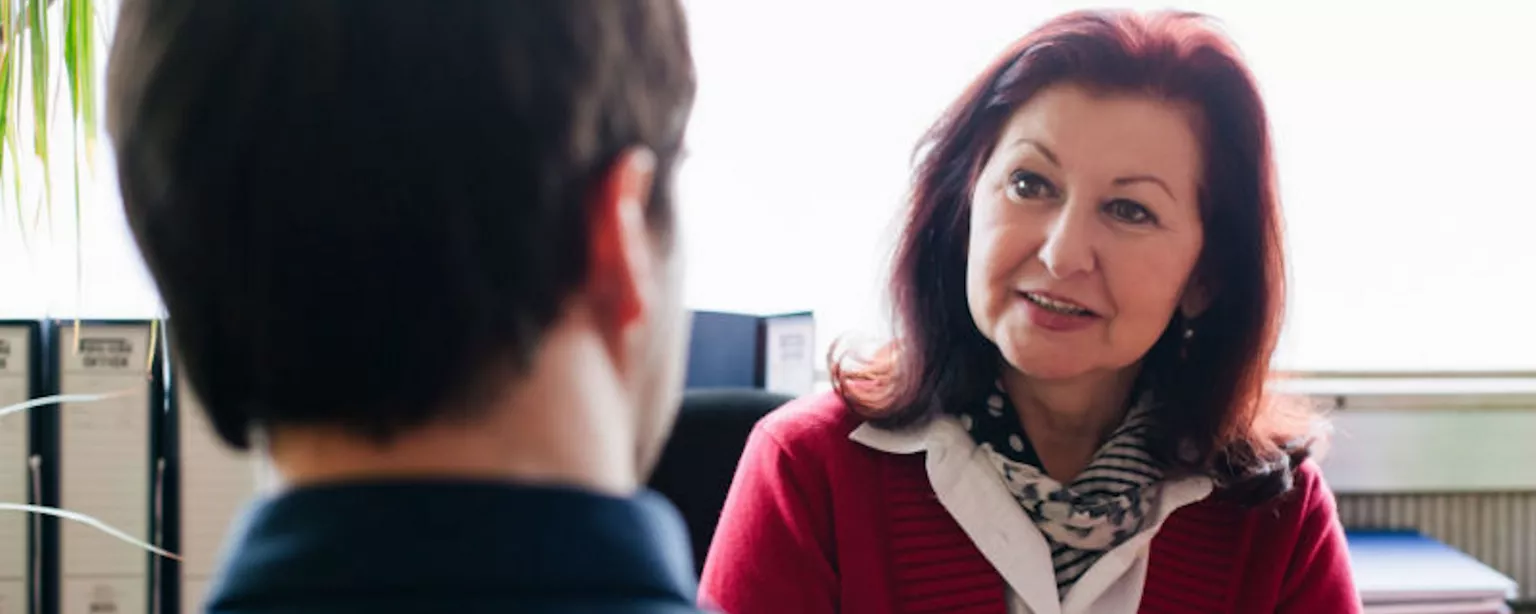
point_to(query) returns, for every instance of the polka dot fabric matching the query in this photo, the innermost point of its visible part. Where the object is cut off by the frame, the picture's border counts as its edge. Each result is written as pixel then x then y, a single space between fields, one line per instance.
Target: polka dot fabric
pixel 1104 505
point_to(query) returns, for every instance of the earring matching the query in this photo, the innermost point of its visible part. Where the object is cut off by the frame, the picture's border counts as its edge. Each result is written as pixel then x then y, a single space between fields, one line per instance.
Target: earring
pixel 1186 336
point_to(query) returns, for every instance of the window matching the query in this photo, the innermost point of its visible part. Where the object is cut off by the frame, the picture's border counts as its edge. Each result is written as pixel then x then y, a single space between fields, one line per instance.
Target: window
pixel 42 273
pixel 1405 142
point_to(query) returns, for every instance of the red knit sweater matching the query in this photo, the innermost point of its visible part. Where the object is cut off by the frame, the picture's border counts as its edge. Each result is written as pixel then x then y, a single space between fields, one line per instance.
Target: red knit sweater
pixel 816 523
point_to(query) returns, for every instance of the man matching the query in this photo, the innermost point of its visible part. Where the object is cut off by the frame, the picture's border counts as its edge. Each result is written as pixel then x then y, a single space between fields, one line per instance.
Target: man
pixel 420 253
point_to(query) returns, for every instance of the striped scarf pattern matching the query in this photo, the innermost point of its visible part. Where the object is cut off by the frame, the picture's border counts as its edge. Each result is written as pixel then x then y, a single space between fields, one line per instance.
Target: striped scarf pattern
pixel 1106 504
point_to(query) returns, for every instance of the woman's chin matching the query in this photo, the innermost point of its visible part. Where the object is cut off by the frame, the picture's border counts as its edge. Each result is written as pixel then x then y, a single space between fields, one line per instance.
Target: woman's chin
pixel 1052 367
pixel 1053 374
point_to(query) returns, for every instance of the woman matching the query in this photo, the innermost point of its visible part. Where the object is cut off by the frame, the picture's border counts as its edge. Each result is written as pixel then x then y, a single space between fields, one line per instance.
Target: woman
pixel 1074 416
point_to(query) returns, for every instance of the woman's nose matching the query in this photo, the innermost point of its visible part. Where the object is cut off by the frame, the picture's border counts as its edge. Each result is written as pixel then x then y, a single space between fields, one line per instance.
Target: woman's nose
pixel 1068 249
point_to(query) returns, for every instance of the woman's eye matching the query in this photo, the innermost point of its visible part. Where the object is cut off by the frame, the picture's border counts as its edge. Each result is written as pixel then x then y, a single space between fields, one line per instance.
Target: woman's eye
pixel 1129 211
pixel 1029 186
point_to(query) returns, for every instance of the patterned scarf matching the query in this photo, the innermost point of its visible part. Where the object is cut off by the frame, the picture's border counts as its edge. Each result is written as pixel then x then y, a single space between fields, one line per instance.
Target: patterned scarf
pixel 1104 505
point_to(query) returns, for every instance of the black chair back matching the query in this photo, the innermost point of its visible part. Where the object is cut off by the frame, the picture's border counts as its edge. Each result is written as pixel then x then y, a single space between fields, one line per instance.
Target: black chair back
pixel 700 459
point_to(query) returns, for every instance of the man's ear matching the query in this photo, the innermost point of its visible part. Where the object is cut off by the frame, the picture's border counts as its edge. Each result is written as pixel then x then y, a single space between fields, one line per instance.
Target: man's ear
pixel 622 259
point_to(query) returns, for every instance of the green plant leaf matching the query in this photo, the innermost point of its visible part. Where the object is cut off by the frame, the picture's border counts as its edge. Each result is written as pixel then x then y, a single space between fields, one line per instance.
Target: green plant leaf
pixel 37 33
pixel 78 64
pixel 79 61
pixel 7 136
pixel 8 52
pixel 30 56
pixel 14 149
pixel 7 59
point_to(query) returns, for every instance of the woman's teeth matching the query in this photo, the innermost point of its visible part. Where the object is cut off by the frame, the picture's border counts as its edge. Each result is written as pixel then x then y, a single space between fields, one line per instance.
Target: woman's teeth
pixel 1056 306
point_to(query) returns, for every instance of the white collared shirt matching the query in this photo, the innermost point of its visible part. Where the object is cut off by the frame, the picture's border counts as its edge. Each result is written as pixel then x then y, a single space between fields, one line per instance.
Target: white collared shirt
pixel 974 494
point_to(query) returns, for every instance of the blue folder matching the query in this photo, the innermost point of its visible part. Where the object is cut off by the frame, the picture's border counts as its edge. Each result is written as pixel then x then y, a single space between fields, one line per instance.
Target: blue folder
pixel 1407 567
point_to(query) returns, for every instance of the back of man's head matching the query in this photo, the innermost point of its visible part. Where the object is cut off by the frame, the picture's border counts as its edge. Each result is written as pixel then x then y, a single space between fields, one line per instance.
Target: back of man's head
pixel 366 214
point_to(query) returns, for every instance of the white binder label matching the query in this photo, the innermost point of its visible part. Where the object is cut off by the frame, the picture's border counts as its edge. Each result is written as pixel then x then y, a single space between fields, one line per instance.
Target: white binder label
pixel 15 354
pixel 789 362
pixel 104 467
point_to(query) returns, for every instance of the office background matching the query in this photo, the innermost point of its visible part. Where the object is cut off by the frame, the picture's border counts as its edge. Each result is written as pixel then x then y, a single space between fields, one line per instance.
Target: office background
pixel 1404 138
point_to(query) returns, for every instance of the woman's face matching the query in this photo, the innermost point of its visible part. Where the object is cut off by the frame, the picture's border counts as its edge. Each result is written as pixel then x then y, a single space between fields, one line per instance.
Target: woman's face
pixel 1085 230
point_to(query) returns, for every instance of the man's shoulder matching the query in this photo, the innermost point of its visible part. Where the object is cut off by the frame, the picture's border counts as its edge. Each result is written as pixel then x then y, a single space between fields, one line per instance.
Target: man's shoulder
pixel 468 605
pixel 441 546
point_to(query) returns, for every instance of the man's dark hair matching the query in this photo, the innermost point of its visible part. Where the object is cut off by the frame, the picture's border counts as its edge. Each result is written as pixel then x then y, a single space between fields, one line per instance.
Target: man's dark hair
pixel 361 212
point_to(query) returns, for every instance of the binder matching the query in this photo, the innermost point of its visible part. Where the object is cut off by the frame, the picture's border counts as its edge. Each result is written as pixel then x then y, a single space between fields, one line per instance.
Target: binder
pixel 789 354
pixel 730 350
pixel 1404 571
pixel 21 379
pixel 208 485
pixel 103 464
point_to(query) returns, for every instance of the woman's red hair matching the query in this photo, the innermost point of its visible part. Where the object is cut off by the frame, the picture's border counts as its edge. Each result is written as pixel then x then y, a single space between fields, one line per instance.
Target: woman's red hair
pixel 1217 417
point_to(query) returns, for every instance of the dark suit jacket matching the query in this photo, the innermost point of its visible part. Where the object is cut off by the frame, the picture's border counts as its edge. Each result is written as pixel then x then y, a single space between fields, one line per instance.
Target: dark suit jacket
pixel 452 547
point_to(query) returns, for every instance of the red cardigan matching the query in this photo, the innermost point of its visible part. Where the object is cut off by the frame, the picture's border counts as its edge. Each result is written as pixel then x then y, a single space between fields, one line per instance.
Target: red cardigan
pixel 817 523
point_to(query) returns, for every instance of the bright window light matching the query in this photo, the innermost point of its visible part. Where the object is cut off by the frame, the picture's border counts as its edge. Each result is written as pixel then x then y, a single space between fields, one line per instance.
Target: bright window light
pixel 1405 133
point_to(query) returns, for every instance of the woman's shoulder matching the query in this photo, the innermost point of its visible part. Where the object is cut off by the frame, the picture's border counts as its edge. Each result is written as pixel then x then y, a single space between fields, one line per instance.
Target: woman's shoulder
pixel 1310 498
pixel 1289 549
pixel 1308 495
pixel 1307 477
pixel 815 420
pixel 807 441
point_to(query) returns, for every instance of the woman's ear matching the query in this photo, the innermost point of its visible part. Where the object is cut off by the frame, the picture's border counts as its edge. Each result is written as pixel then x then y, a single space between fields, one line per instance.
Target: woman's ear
pixel 1196 299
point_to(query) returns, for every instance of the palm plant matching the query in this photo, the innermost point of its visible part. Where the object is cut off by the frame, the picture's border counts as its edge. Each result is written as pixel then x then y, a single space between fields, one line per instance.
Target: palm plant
pixel 37 39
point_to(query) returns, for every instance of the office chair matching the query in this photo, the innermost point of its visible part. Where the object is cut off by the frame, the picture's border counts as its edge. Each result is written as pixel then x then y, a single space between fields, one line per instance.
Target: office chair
pixel 700 459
